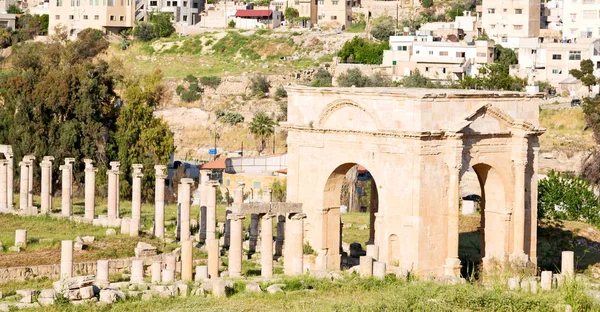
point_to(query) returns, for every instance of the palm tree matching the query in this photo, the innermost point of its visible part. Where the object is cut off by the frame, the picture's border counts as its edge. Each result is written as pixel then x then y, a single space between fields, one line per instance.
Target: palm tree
pixel 262 127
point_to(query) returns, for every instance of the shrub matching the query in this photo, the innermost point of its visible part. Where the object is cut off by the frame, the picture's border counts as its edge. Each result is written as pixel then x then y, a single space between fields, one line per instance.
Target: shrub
pixel 279 191
pixel 380 80
pixel 194 87
pixel 219 113
pixel 383 28
pixel 259 85
pixel 281 92
pixel 232 118
pixel 359 50
pixel 143 31
pixel 190 78
pixel 231 24
pixel 322 79
pixel 190 96
pixel 124 44
pixel 353 77
pixel 564 197
pixel 179 89
pixel 427 3
pixel 210 81
pixel 161 23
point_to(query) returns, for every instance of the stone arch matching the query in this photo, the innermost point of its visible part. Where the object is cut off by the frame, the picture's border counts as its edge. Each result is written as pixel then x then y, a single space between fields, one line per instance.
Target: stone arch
pixel 337 105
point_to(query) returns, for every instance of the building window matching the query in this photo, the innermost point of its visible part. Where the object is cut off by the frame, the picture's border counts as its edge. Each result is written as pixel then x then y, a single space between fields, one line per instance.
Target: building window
pixel 518 27
pixel 185 18
pixel 426 69
pixel 493 26
pixel 227 182
pixel 96 17
pixel 430 52
pixel 58 3
pixel 122 18
pixel 334 2
pixel 460 54
pixel 256 185
pixel 112 17
pixel 185 4
pixel 518 11
pixel 333 17
pixel 111 2
pixel 491 11
pixel 153 3
pixel 71 17
pixel 573 17
pixel 556 71
pixel 574 55
pixel 417 52
pixel 504 39
pixel 57 17
pixel 394 63
pixel 168 3
pixel 175 3
pixel 557 56
pixel 443 70
pixel 85 17
pixel 401 48
pixel 321 2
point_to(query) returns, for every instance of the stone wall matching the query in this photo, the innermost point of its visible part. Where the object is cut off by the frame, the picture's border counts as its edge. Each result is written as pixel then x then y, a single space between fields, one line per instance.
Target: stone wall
pixel 52 271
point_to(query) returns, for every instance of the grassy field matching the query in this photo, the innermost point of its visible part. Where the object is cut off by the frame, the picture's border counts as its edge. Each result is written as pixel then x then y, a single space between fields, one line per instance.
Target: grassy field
pixel 352 293
pixel 565 130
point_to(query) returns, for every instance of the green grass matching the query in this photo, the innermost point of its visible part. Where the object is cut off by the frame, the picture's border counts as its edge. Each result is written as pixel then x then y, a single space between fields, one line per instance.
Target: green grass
pixel 356 294
pixel 565 130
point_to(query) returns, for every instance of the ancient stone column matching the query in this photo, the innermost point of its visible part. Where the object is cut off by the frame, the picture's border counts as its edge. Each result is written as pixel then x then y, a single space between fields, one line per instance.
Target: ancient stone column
pixel 373 252
pixel 267 195
pixel 214 254
pixel 46 184
pixel 187 248
pixel 235 244
pixel 136 199
pixel 66 259
pixel 112 194
pixel 567 264
pixel 379 269
pixel 155 268
pixel 546 280
pixel 23 186
pixel 201 273
pixel 32 209
pixel 137 271
pixel 366 266
pixel 125 226
pixel 159 201
pixel 204 188
pixel 254 222
pixel 452 265
pixel 227 228
pixel 115 167
pixel 9 180
pixel 294 257
pixel 238 198
pixel 519 210
pixel 21 238
pixel 90 189
pixel 279 240
pixel 169 271
pixel 3 184
pixel 168 275
pixel 67 187
pixel 184 204
pixel 102 273
pixel 211 209
pixel 266 247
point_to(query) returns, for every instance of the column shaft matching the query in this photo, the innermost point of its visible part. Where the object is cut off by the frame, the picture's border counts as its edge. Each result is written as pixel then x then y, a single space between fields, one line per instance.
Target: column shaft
pixel 266 248
pixel 90 190
pixel 235 245
pixel 159 201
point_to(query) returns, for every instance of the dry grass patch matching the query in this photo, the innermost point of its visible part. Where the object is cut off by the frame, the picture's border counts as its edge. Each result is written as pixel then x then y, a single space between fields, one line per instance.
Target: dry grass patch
pixel 565 130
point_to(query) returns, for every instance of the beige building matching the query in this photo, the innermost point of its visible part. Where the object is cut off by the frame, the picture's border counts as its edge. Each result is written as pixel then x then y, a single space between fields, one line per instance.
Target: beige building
pixel 325 13
pixel 437 60
pixel 417 144
pixel 109 16
pixel 581 19
pixel 505 20
pixel 552 61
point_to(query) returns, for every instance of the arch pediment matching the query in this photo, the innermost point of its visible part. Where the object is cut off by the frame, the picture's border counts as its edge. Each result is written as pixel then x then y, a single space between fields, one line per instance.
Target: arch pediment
pixel 489 119
pixel 348 115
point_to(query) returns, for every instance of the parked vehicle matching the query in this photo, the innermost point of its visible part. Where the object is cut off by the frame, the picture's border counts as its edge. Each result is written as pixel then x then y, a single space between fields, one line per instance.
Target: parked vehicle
pixel 576 102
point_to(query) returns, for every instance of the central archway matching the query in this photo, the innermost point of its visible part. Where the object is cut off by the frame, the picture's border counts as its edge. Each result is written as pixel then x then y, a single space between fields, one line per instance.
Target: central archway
pixel 350 185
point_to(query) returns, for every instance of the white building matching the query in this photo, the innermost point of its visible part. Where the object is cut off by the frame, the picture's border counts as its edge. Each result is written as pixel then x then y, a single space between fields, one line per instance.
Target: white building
pixel 436 59
pixel 581 19
pixel 505 21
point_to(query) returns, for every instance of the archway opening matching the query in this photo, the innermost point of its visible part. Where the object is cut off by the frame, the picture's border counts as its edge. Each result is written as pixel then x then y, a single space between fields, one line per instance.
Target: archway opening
pixel 482 209
pixel 350 200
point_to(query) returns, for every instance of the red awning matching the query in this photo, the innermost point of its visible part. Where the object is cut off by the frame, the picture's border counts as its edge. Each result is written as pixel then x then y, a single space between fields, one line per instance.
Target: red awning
pixel 215 164
pixel 253 13
pixel 282 171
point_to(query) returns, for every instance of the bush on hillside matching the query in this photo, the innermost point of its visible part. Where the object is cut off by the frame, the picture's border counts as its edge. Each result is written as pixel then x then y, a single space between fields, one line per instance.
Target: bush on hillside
pixel 353 77
pixel 281 92
pixel 359 50
pixel 322 79
pixel 259 85
pixel 383 28
pixel 210 81
pixel 190 96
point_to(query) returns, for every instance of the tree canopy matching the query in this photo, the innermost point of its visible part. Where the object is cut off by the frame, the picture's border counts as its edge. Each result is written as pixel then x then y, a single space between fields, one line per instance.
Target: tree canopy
pixel 585 74
pixel 262 127
pixel 359 50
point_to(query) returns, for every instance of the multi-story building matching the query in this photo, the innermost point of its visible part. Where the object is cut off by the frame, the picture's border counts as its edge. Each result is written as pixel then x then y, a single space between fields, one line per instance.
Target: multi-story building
pixel 185 12
pixel 581 19
pixel 552 61
pixel 505 21
pixel 436 59
pixel 110 16
pixel 333 13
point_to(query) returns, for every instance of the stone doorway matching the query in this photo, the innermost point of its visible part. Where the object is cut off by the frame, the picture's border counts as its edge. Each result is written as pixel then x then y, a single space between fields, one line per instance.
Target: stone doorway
pixel 341 189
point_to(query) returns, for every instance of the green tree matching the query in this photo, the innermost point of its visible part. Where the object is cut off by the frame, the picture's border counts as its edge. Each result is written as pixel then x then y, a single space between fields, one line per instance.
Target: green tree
pixel 262 127
pixel 353 77
pixel 90 42
pixel 359 50
pixel 563 197
pixel 13 9
pixel 505 56
pixel 585 74
pixel 322 79
pixel 383 27
pixel 416 80
pixel 591 165
pixel 161 23
pixel 259 84
pixel 144 31
pixel 427 3
pixel 291 14
pixel 140 137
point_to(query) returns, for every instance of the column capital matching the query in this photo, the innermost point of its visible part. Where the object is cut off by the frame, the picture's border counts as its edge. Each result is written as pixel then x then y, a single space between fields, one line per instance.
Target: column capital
pixel 29 157
pixel 187 181
pixel 236 216
pixel 159 171
pixel 137 168
pixel 115 165
pixel 69 161
pixel 48 158
pixel 3 162
pixel 268 215
pixel 45 164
